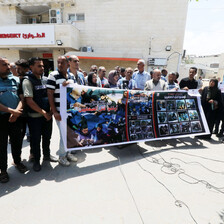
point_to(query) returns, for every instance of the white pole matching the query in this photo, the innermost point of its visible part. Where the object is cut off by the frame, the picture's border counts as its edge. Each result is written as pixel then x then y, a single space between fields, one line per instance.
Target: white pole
pixel 179 62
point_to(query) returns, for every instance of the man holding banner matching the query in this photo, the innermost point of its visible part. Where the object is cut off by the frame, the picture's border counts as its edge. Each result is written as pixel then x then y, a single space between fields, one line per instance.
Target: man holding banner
pixel 189 82
pixel 62 76
pixel 156 83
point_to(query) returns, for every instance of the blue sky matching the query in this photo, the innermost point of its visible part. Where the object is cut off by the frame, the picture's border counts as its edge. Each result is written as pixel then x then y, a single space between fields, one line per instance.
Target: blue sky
pixel 204 33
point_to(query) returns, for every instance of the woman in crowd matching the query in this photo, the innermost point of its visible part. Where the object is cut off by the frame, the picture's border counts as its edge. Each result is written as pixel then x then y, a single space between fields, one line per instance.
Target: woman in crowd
pixel 113 77
pixel 212 104
pixel 92 79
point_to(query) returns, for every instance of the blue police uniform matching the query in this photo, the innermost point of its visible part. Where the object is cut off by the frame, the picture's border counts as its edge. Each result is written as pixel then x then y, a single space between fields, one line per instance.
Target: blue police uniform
pixel 9 98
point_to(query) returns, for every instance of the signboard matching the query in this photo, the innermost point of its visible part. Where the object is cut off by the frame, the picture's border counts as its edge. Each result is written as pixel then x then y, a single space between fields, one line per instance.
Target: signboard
pixel 99 117
pixel 47 55
pixel 27 35
pixel 157 61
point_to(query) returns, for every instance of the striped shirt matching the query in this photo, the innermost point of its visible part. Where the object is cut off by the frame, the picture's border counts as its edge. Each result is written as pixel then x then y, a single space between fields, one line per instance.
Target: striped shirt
pixel 54 80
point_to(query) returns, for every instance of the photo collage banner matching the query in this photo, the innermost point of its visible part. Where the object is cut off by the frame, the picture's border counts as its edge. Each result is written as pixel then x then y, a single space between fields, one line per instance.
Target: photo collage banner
pixel 100 117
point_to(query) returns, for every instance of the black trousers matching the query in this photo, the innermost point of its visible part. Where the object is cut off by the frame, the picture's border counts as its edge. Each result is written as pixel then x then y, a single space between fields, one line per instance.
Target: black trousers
pixel 12 130
pixel 40 127
pixel 217 122
pixel 210 117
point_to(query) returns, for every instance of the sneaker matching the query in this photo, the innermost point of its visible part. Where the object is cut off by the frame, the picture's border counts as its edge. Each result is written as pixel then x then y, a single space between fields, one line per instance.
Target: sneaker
pixel 71 158
pixel 50 158
pixel 63 161
pixel 4 177
pixel 220 134
pixel 21 168
pixel 36 166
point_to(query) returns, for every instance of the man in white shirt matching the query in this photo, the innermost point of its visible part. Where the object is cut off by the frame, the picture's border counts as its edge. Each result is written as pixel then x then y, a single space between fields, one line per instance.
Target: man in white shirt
pixel 141 76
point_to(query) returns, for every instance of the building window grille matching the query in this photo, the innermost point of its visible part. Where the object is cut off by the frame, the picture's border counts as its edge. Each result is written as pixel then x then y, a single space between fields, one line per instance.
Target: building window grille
pixel 76 17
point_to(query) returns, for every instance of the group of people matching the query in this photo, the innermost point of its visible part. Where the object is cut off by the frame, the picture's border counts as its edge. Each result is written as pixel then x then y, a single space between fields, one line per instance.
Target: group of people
pixel 127 78
pixel 27 98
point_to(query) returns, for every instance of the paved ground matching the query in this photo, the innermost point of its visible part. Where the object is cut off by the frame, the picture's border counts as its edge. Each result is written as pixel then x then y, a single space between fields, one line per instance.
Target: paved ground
pixel 178 181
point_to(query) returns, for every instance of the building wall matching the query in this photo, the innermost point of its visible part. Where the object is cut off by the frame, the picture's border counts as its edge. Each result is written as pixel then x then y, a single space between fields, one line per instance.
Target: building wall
pixel 128 28
pixel 7 15
pixel 20 16
pixel 11 55
pixel 207 60
pixel 221 67
pixel 25 55
pixel 85 64
pixel 72 40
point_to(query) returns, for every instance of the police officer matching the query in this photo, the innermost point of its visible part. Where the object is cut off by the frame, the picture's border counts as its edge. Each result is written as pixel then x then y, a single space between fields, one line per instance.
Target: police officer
pixel 40 117
pixel 10 111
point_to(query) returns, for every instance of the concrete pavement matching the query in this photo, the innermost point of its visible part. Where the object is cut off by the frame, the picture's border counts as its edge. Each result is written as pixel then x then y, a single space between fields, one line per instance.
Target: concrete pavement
pixel 178 181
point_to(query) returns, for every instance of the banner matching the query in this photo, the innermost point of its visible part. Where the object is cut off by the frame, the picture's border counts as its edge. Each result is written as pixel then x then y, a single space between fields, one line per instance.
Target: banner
pixel 99 117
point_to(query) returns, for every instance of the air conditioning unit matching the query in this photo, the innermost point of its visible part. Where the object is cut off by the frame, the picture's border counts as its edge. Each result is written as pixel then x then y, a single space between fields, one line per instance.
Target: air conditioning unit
pixel 157 61
pixel 86 49
pixel 89 49
pixel 83 49
pixel 55 16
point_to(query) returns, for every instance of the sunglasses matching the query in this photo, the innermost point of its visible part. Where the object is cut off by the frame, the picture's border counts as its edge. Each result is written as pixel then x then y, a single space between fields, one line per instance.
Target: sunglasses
pixel 75 61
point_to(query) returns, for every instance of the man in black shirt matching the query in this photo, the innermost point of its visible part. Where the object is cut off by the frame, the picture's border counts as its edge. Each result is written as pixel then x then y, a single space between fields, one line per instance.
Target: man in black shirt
pixel 190 82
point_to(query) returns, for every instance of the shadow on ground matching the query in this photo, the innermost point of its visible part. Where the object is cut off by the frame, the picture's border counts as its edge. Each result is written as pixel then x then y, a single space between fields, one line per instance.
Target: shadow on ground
pixel 129 153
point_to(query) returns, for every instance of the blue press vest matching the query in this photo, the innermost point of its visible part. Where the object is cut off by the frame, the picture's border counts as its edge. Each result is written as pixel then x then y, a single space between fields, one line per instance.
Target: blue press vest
pixel 9 92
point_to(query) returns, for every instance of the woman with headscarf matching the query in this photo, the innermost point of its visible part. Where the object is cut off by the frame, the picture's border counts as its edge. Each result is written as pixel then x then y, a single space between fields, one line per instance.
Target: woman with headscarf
pixel 113 77
pixel 211 100
pixel 92 79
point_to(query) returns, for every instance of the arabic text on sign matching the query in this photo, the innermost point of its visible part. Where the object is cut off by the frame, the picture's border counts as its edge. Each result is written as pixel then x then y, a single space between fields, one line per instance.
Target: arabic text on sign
pixel 24 35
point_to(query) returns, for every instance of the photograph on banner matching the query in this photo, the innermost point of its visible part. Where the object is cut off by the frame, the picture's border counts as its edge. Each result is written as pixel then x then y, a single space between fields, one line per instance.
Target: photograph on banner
pixel 96 116
pixel 139 117
pixel 99 117
pixel 181 114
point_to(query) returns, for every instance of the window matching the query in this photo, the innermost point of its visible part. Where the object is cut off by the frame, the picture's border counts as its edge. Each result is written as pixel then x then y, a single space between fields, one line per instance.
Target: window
pixel 214 65
pixel 76 17
pixel 80 17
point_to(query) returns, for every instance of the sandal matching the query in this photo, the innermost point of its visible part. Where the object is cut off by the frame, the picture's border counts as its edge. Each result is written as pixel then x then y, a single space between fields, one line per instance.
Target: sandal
pixel 4 177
